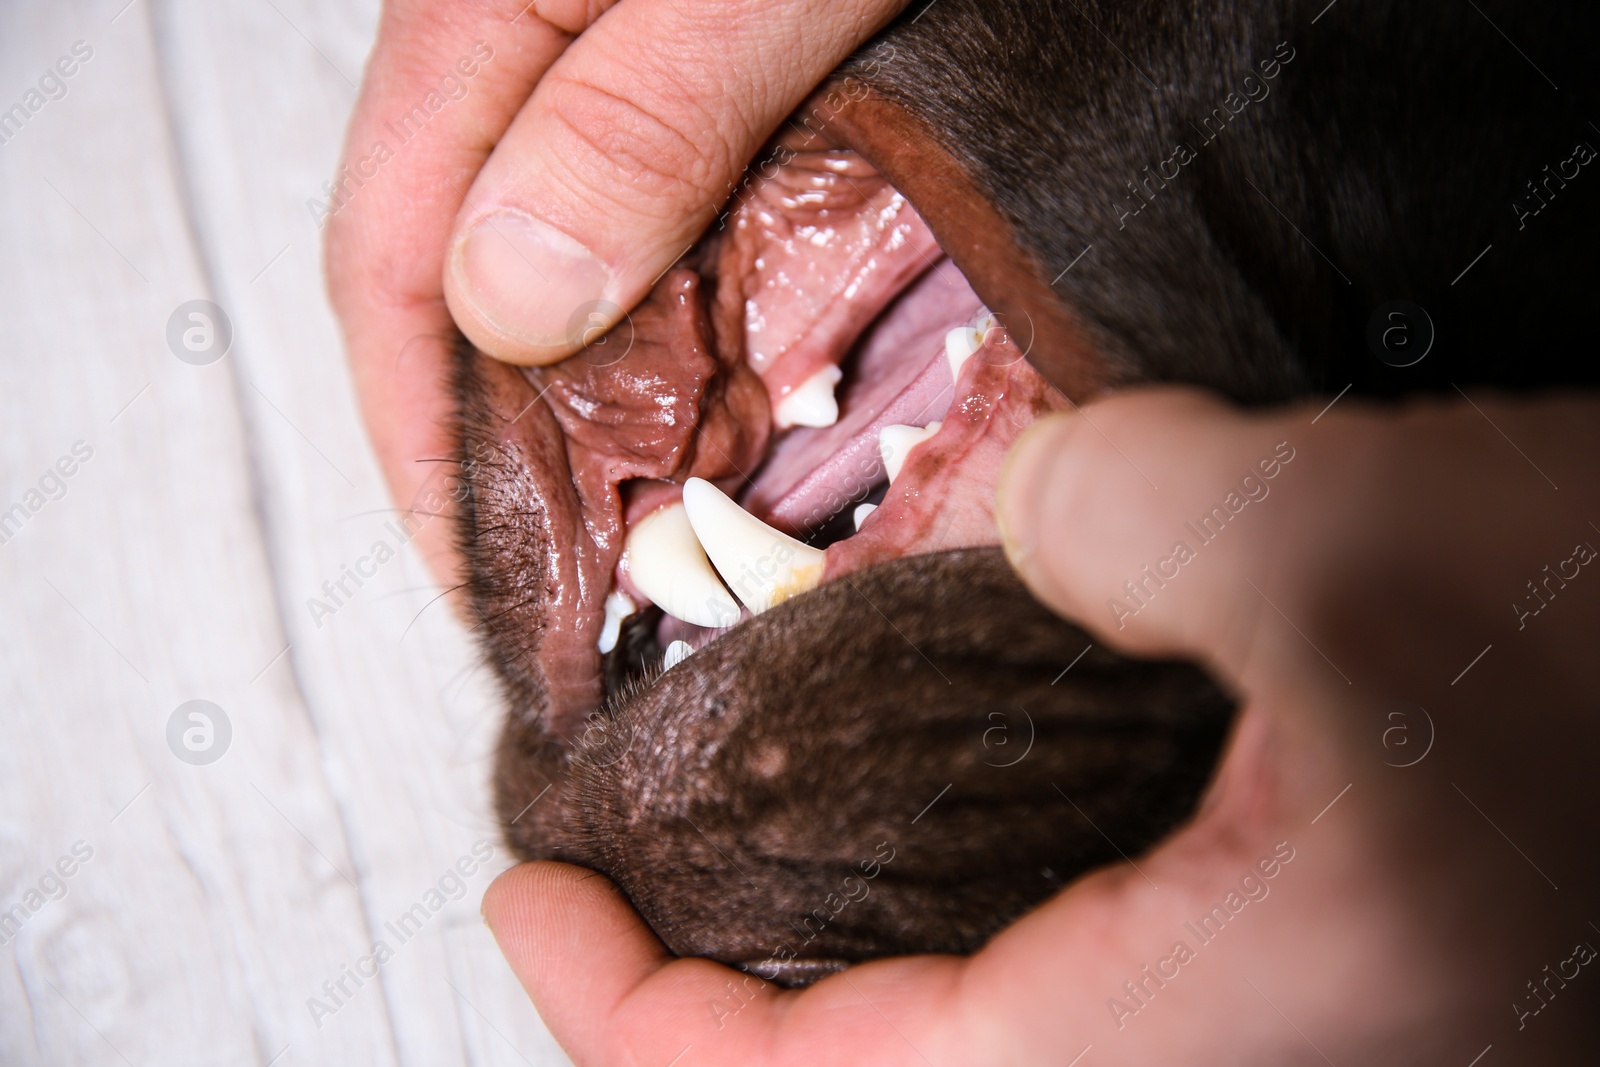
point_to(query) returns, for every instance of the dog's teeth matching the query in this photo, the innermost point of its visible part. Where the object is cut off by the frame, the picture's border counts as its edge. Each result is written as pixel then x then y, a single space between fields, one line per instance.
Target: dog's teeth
pixel 667 564
pixel 619 606
pixel 862 511
pixel 676 653
pixel 963 342
pixel 762 566
pixel 960 344
pixel 812 402
pixel 897 440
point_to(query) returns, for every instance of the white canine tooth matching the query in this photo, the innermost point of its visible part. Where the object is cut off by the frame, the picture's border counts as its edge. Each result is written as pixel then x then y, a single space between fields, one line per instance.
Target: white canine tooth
pixel 960 344
pixel 619 606
pixel 861 513
pixel 666 563
pixel 896 440
pixel 677 652
pixel 811 403
pixel 762 566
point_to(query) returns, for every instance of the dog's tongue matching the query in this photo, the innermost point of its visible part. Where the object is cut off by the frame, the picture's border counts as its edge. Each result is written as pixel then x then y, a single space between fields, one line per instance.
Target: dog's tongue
pixel 899 376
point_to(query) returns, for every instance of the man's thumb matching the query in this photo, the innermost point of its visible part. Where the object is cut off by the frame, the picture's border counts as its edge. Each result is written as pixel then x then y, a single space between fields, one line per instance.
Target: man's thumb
pixel 1154 519
pixel 622 156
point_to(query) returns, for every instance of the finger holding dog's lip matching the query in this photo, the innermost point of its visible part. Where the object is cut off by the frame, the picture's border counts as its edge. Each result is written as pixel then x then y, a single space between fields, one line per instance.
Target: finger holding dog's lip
pixel 470 72
pixel 1139 514
pixel 387 233
pixel 623 155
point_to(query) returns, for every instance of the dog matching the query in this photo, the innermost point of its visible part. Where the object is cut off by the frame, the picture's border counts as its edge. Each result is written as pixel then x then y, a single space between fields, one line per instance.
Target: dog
pixel 1260 198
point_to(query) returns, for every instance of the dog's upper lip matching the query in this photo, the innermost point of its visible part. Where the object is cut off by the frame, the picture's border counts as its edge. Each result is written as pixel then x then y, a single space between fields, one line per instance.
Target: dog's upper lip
pixel 962 215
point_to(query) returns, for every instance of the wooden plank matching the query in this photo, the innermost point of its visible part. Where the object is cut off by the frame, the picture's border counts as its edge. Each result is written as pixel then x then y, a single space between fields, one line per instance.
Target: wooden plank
pixel 177 566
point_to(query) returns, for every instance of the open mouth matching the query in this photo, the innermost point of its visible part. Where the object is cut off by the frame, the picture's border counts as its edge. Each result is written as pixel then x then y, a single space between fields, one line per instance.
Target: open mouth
pixel 815 389
pixel 733 563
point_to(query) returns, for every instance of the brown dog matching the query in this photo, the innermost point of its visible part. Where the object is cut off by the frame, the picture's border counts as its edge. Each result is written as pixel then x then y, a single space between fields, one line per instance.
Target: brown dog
pixel 911 753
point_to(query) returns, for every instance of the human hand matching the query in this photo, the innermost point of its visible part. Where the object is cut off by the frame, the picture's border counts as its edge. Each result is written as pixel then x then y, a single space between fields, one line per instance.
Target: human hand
pixel 621 135
pixel 1343 895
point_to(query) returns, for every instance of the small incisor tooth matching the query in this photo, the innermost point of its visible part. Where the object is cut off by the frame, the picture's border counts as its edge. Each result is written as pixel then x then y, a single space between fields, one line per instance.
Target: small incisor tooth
pixel 963 342
pixel 960 344
pixel 619 606
pixel 861 513
pixel 811 403
pixel 896 440
pixel 676 653
pixel 666 563
pixel 762 566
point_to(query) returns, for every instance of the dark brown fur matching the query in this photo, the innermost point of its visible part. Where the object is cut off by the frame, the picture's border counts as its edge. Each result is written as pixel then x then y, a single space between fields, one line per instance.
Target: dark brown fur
pixel 1390 152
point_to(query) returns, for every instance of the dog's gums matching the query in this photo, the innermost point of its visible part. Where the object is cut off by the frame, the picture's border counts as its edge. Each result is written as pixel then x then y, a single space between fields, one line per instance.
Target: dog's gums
pixel 733 562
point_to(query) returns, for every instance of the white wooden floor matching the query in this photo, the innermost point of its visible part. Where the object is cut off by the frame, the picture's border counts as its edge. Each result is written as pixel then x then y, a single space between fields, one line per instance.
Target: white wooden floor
pixel 174 564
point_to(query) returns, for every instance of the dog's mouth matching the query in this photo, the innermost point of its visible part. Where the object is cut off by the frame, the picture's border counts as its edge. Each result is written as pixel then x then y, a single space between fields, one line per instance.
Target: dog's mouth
pixel 816 388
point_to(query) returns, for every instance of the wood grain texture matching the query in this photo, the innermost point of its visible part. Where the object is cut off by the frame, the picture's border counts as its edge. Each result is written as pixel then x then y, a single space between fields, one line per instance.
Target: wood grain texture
pixel 175 563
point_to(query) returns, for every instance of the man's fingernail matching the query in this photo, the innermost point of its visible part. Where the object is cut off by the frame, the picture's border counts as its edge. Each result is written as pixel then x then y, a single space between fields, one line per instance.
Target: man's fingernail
pixel 1023 485
pixel 533 283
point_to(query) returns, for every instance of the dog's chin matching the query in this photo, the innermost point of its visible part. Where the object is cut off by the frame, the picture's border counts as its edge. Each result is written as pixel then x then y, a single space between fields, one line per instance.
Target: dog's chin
pixel 734 563
pixel 899 762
